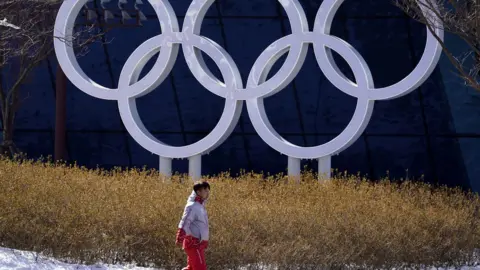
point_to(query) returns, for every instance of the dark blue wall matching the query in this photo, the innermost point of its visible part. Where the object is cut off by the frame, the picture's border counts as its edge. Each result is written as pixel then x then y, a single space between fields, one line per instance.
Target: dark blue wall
pixel 415 133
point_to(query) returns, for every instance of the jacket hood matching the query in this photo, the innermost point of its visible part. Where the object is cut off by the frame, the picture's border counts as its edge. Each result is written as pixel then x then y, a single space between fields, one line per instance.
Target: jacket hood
pixel 194 195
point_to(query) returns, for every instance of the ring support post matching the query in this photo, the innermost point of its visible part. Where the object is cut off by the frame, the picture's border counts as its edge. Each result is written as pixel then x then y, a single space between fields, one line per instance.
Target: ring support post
pixel 195 167
pixel 294 170
pixel 165 167
pixel 324 168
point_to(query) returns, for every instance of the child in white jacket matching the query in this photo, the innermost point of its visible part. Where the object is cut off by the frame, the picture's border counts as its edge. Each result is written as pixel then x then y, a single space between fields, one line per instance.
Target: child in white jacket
pixel 193 231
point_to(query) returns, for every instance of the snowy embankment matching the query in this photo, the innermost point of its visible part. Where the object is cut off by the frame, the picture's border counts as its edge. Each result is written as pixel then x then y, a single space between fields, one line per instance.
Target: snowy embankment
pixel 27 260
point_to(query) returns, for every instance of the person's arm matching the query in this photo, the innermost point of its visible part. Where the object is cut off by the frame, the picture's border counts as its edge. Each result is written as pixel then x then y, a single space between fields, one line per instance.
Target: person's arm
pixel 184 226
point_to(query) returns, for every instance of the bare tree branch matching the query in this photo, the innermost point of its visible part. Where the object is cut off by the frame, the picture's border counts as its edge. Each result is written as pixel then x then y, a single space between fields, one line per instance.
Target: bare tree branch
pixel 459 17
pixel 26 39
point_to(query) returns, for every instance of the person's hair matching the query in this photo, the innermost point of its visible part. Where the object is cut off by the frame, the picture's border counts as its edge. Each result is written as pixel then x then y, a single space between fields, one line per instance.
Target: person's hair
pixel 201 185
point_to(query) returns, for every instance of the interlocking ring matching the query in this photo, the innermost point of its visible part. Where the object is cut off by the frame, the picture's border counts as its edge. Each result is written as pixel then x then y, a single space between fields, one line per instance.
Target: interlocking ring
pixel 232 89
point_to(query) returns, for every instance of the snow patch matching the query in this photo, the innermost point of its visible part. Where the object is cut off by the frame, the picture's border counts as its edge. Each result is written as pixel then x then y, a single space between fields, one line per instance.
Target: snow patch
pixel 27 260
pixel 12 259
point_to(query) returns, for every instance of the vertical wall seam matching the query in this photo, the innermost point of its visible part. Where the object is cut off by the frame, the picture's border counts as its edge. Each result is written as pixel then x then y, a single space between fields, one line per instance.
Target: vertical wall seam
pixel 242 126
pixel 430 154
pixel 179 110
pixel 371 167
pixel 112 81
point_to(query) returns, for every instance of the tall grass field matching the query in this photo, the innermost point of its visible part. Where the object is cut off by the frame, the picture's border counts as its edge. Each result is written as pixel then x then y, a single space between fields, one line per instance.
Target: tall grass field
pixel 120 216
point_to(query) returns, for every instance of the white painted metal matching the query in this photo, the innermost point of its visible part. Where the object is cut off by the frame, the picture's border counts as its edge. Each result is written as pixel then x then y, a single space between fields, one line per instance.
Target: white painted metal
pixel 232 89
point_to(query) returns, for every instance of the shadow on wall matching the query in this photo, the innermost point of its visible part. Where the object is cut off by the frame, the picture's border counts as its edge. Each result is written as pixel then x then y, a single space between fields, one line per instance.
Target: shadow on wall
pixel 465 110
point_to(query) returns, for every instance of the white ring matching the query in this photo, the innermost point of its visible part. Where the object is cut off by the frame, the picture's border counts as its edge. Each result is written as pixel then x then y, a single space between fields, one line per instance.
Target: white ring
pixel 64 25
pixel 133 123
pixel 356 126
pixel 422 71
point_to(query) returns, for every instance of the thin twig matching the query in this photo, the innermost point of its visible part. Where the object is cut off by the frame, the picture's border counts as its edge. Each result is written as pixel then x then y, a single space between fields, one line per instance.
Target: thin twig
pixel 459 17
pixel 26 39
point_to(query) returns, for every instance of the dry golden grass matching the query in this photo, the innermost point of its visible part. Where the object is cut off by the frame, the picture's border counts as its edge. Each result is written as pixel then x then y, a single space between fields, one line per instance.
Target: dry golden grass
pixel 87 216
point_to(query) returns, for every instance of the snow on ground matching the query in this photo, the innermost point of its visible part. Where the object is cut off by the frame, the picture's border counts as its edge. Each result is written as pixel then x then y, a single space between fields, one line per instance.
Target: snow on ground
pixel 26 260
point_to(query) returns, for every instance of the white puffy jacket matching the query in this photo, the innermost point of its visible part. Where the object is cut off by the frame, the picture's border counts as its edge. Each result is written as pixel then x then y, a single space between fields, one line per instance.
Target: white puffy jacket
pixel 195 219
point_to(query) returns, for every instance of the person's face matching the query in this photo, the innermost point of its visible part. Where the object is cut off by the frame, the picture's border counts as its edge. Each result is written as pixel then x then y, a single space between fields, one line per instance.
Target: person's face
pixel 203 193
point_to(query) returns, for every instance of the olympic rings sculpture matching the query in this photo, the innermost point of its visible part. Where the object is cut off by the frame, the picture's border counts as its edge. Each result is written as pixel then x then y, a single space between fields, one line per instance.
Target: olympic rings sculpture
pixel 232 89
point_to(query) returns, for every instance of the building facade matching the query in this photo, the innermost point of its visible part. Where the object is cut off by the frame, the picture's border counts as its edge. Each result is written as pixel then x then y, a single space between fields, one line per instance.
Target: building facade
pixel 431 134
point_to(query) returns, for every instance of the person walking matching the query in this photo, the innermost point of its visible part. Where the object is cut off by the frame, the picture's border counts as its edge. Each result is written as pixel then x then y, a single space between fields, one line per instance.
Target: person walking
pixel 193 232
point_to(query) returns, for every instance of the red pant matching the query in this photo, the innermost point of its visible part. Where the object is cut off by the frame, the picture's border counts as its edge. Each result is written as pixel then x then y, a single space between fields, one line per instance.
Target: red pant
pixel 195 259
